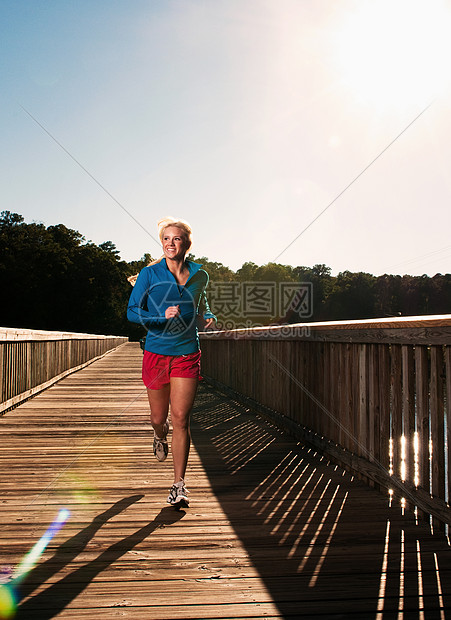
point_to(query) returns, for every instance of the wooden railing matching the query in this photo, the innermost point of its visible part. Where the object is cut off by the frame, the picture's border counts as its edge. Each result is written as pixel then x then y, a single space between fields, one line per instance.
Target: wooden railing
pixel 374 395
pixel 31 360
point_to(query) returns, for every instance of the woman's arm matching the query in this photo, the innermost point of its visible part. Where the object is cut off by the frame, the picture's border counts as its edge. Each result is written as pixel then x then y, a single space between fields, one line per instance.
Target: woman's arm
pixel 204 310
pixel 137 311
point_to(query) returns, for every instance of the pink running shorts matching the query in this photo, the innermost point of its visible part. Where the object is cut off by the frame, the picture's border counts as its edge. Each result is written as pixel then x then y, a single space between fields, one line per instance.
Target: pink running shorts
pixel 158 369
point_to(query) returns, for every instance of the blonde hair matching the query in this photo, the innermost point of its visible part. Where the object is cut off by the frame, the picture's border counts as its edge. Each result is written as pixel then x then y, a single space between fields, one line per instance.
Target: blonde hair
pixel 178 223
pixel 162 225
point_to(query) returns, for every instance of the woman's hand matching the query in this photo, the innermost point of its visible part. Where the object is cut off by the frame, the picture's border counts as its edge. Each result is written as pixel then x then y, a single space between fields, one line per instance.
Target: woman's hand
pixel 172 312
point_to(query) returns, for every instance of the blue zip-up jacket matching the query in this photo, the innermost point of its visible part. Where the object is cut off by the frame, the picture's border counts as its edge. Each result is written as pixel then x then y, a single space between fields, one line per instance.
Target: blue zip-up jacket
pixel 155 290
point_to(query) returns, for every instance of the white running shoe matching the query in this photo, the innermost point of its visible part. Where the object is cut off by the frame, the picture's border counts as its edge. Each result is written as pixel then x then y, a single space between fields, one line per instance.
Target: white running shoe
pixel 178 495
pixel 160 446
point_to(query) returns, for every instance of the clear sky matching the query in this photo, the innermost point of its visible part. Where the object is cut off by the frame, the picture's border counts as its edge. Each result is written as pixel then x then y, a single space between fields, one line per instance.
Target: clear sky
pixel 245 117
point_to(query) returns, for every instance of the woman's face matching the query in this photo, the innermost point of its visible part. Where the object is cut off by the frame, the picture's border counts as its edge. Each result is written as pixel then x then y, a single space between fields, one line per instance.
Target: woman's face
pixel 174 243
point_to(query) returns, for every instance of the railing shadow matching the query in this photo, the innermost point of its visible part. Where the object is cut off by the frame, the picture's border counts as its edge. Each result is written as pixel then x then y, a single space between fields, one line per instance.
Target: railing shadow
pixel 324 544
pixel 50 602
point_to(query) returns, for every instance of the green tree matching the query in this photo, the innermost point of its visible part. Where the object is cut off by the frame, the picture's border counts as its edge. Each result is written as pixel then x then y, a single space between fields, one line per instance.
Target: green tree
pixel 54 280
pixel 352 296
pixel 440 294
pixel 246 273
pixel 217 271
pixel 321 280
pixel 388 296
pixel 275 272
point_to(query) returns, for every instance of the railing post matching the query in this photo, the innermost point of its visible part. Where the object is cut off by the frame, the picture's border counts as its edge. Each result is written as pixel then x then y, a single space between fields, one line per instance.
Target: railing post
pixel 437 426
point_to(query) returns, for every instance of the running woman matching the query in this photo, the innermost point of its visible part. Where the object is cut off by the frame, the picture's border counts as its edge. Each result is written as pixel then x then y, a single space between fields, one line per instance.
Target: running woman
pixel 167 298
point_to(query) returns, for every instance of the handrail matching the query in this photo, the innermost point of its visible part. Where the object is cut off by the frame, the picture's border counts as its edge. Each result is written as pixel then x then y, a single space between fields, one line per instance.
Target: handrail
pixel 430 329
pixel 13 334
pixel 32 360
pixel 373 394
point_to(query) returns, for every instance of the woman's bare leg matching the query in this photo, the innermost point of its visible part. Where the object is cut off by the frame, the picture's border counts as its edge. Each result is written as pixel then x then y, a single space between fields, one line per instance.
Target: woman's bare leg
pixel 183 392
pixel 159 408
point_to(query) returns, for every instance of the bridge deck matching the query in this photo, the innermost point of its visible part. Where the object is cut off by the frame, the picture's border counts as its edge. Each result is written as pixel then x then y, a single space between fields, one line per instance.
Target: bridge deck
pixel 274 530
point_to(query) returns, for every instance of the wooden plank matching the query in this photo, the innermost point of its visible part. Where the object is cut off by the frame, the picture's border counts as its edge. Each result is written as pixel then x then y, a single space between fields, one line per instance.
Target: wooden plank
pixel 384 400
pixel 437 424
pixel 293 410
pixel 422 415
pixel 396 407
pixel 408 409
pixel 363 401
pixel 448 415
pixel 334 387
pixel 340 373
pixel 325 396
pixel 354 402
pixel 373 404
pixel 320 389
pixel 309 370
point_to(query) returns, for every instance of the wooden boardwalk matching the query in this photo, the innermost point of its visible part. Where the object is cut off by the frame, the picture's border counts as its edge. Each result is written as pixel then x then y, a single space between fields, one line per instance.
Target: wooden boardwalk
pixel 273 531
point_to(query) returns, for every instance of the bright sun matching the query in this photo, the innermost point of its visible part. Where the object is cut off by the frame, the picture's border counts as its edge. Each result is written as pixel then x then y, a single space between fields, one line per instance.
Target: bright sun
pixel 395 53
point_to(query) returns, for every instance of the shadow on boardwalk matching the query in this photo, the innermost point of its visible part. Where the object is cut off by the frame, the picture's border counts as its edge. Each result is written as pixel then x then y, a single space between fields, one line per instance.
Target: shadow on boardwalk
pixel 65 590
pixel 325 544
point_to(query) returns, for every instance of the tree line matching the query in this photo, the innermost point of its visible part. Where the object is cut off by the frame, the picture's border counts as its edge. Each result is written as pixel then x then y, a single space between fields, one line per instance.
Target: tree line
pixel 54 279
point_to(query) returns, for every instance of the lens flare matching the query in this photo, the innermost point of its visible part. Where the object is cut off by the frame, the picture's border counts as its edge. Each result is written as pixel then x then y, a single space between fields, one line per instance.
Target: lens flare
pixel 8 602
pixel 38 549
pixel 75 489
